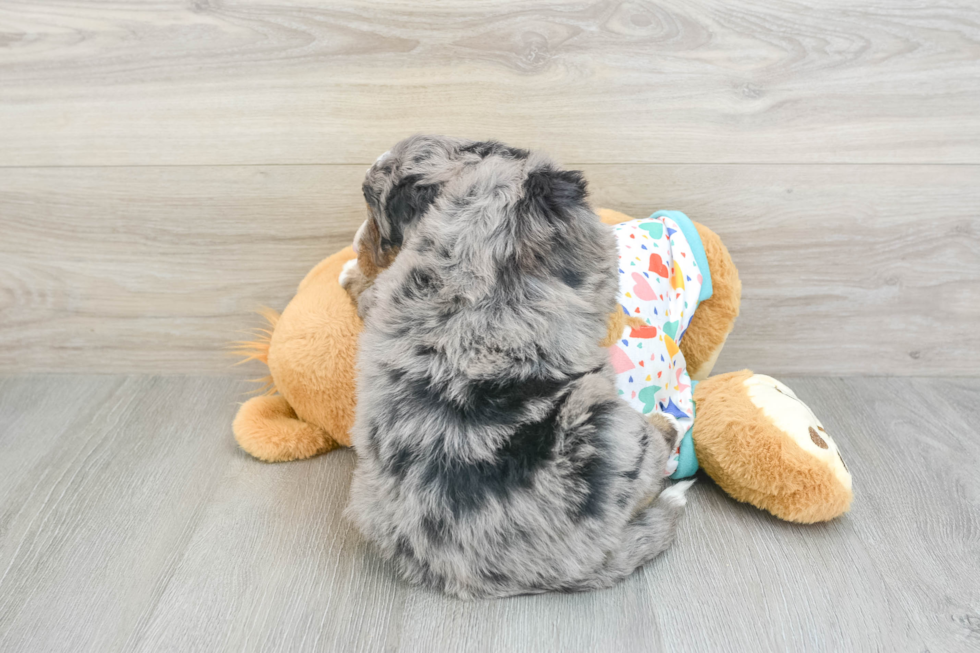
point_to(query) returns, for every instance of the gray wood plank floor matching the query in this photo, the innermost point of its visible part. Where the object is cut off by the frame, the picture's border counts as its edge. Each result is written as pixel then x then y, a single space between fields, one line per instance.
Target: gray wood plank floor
pixel 129 520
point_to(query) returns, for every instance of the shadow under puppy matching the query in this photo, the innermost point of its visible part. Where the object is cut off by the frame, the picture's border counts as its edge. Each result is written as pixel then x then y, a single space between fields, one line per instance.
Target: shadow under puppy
pixel 494 455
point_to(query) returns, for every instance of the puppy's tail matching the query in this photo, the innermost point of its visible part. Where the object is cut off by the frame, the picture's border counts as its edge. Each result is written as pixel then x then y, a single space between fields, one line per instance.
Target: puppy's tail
pixel 258 349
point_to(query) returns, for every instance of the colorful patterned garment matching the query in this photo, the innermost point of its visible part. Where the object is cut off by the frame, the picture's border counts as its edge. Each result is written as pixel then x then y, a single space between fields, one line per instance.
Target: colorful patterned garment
pixel 663 277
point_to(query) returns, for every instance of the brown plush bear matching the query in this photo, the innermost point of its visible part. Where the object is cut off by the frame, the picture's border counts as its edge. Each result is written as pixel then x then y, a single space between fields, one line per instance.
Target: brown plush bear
pixel 752 435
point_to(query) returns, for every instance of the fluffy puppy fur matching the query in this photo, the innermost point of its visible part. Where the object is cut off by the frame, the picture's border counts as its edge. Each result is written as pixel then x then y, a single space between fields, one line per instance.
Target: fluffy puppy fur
pixel 494 455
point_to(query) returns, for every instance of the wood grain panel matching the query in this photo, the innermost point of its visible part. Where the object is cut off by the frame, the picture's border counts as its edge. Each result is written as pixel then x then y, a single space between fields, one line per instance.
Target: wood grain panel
pixel 311 81
pixel 134 523
pixel 158 268
pixel 845 269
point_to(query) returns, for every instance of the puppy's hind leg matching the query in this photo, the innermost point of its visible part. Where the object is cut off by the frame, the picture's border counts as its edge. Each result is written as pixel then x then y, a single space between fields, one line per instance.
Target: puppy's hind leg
pixel 647 535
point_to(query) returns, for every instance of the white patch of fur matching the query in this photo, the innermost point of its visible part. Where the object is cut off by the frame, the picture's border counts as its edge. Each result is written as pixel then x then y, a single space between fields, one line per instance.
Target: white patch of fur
pixel 358 236
pixel 345 274
pixel 675 494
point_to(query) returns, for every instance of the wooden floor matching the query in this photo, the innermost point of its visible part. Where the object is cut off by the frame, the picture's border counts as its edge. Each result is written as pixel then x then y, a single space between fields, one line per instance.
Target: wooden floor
pixel 129 520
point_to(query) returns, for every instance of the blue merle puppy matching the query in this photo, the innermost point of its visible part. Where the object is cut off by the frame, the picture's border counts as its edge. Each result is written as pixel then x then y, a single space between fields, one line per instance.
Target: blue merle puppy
pixel 494 455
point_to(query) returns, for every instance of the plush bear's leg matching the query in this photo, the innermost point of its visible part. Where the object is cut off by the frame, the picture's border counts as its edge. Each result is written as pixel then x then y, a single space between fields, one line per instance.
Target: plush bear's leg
pixel 267 427
pixel 715 317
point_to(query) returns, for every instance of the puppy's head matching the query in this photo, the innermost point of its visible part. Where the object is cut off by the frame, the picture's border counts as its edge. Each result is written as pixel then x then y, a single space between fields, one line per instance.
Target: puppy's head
pixel 399 189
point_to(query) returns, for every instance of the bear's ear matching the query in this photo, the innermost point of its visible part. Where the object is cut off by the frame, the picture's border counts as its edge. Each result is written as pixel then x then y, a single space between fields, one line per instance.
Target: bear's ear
pixel 407 201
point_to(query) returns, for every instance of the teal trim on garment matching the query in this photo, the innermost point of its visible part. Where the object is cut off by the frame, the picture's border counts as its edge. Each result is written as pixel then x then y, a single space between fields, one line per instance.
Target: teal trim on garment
pixel 687 462
pixel 694 240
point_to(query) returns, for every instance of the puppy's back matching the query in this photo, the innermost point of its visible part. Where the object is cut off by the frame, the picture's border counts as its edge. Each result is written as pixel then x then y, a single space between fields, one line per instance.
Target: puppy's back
pixel 493 454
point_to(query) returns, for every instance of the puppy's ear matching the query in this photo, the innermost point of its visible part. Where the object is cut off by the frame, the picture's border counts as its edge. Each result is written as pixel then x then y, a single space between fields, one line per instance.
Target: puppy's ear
pixel 372 255
pixel 553 194
pixel 547 216
pixel 407 201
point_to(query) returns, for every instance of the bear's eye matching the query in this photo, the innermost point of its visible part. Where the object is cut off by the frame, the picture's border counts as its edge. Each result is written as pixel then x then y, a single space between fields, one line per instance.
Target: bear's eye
pixel 817 440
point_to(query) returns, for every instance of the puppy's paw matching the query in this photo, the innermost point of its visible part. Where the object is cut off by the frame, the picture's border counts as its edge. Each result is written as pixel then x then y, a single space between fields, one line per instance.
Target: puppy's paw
pixel 669 428
pixel 348 273
pixel 675 494
pixel 678 431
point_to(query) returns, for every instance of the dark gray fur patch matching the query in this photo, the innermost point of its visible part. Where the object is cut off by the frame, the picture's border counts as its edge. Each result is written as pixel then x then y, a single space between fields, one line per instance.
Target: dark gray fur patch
pixel 466 485
pixel 484 149
pixel 407 201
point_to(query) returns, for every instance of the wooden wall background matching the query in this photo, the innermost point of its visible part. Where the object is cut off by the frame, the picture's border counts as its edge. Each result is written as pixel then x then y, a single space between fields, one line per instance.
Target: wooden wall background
pixel 168 167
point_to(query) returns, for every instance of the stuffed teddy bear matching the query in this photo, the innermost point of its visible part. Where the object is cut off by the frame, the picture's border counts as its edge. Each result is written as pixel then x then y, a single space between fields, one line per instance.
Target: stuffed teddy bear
pixel 681 294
